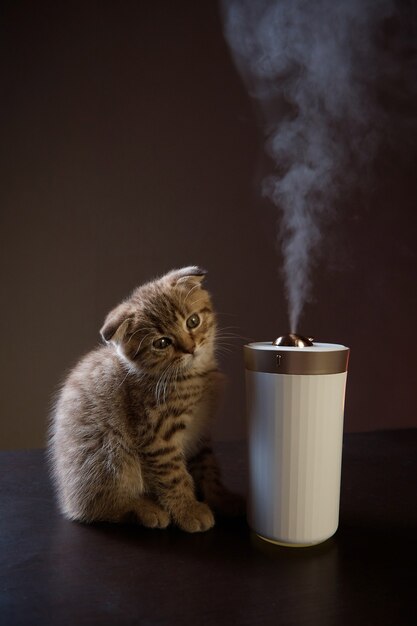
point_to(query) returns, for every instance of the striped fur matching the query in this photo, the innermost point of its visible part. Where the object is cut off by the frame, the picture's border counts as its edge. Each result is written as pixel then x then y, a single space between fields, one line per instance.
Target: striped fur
pixel 130 428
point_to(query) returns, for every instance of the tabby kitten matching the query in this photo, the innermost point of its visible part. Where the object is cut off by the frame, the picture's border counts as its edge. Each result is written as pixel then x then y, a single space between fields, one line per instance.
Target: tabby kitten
pixel 130 429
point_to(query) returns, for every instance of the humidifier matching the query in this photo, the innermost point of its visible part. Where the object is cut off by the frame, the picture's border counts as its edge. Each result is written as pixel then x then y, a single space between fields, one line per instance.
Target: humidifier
pixel 295 404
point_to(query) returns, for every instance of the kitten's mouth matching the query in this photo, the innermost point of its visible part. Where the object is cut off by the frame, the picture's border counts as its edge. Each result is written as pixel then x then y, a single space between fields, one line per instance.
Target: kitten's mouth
pixel 188 360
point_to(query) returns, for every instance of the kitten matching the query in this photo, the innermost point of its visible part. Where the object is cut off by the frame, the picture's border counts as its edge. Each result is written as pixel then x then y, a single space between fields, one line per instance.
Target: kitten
pixel 130 429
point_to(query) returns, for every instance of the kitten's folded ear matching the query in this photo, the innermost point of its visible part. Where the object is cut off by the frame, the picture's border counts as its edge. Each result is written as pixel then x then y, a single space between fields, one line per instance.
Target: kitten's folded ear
pixel 116 323
pixel 191 275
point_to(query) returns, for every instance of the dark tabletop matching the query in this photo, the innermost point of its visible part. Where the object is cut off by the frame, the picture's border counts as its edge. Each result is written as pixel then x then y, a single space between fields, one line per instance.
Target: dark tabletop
pixel 58 572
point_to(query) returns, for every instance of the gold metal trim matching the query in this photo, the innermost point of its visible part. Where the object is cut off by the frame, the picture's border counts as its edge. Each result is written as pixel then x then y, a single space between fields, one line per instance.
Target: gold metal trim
pixel 297 361
pixel 286 544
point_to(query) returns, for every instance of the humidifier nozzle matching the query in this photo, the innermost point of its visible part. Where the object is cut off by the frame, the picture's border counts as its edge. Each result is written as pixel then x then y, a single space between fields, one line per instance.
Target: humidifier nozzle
pixel 294 340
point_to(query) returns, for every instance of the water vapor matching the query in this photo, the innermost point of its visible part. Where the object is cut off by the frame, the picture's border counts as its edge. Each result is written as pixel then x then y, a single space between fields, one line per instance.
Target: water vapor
pixel 311 66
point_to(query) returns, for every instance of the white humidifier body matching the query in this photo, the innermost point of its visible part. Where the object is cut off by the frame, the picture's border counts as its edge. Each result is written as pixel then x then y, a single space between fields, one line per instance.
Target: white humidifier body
pixel 295 405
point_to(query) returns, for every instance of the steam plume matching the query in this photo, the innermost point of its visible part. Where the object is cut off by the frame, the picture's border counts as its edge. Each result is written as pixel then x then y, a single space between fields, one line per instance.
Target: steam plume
pixel 311 66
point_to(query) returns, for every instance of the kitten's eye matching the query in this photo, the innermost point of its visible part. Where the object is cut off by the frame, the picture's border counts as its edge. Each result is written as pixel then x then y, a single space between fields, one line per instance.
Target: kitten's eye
pixel 162 343
pixel 193 321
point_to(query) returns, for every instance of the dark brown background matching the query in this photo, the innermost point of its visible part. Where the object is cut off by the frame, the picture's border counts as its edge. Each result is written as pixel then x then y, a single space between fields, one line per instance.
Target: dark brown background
pixel 128 147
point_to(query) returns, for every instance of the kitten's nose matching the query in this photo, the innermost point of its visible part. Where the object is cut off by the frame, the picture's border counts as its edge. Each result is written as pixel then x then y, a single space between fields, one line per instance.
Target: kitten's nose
pixel 187 346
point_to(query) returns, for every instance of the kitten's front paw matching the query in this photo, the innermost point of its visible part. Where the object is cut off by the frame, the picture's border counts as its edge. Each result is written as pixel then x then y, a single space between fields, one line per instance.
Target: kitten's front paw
pixel 151 514
pixel 196 518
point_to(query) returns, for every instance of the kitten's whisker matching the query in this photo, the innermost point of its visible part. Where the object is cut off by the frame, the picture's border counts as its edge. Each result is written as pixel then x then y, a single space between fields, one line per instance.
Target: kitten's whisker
pixel 140 343
pixel 177 370
pixel 191 290
pixel 228 329
pixel 227 344
pixel 223 352
pixel 233 341
pixel 230 335
pixel 160 384
pixel 229 347
pixel 133 334
pixel 164 385
pixel 169 377
pixel 138 331
pixel 127 374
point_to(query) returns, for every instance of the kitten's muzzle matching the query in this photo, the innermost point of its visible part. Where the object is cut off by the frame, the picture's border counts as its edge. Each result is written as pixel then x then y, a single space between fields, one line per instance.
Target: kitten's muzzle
pixel 187 346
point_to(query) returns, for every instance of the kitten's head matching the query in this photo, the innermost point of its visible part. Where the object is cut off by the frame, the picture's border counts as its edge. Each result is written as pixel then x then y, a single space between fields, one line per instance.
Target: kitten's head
pixel 166 323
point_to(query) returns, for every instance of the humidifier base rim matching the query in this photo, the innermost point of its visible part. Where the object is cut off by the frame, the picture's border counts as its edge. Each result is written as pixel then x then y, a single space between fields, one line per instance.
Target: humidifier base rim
pixel 289 544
